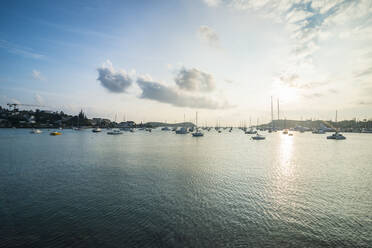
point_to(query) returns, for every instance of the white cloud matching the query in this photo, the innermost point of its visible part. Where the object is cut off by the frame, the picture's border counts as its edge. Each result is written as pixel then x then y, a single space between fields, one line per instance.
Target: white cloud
pixel 37 75
pixel 212 3
pixel 194 80
pixel 19 50
pixel 38 99
pixel 208 35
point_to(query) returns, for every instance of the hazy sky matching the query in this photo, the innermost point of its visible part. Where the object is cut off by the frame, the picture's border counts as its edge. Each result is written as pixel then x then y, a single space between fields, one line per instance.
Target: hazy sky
pixel 158 60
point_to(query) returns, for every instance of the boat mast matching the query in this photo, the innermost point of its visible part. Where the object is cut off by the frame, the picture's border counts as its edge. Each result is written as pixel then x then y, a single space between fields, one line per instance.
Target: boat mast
pixel 272 114
pixel 196 119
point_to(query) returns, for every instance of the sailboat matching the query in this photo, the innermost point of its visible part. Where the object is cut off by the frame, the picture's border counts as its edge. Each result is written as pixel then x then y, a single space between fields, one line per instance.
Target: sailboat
pixel 258 136
pixel 336 135
pixel 182 130
pixel 250 131
pixel 197 132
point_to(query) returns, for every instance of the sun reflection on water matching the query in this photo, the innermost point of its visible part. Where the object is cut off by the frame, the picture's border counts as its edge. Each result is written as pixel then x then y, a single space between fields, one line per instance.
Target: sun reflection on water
pixel 285 155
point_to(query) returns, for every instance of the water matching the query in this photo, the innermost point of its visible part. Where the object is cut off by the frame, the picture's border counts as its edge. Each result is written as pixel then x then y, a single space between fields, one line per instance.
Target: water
pixel 160 189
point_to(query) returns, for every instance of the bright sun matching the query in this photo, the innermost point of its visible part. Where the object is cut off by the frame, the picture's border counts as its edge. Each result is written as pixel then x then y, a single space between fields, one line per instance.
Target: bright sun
pixel 287 94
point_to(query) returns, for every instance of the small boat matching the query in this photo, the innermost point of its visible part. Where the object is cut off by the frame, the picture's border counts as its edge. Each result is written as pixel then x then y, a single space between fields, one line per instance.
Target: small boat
pixel 115 132
pixel 285 131
pixel 336 136
pixel 290 134
pixel 250 131
pixel 36 131
pixel 96 130
pixel 55 133
pixel 132 130
pixel 197 134
pixel 148 130
pixel 319 131
pixel 182 130
pixel 258 137
pixel 165 129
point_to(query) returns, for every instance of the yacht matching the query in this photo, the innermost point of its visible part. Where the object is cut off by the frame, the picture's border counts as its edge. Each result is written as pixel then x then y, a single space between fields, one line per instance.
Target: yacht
pixel 258 137
pixel 115 132
pixel 336 136
pixel 197 132
pixel 96 130
pixel 36 131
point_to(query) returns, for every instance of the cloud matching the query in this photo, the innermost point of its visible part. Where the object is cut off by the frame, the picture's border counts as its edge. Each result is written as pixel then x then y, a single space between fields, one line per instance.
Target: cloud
pixel 212 3
pixel 5 99
pixel 194 80
pixel 38 99
pixel 37 75
pixel 294 81
pixel 19 50
pixel 158 92
pixel 366 72
pixel 113 81
pixel 362 102
pixel 313 95
pixel 209 35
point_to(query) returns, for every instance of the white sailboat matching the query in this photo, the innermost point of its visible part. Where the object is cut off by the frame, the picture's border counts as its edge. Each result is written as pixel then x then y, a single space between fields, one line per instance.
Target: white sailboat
pixel 336 135
pixel 197 132
pixel 36 131
pixel 182 130
pixel 115 132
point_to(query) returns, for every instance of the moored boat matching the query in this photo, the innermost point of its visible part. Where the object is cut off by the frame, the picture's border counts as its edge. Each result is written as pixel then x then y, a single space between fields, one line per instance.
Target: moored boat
pixel 36 131
pixel 115 132
pixel 55 133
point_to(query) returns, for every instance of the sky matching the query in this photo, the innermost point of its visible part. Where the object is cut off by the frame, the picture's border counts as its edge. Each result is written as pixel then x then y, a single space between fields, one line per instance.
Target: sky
pixel 162 60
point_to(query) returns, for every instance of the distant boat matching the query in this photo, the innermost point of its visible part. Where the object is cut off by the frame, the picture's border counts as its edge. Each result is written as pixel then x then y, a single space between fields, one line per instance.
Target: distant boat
pixel 258 137
pixel 285 131
pixel 132 130
pixel 36 131
pixel 251 131
pixel 319 131
pixel 197 132
pixel 55 133
pixel 336 136
pixel 182 130
pixel 115 132
pixel 290 134
pixel 97 130
pixel 165 129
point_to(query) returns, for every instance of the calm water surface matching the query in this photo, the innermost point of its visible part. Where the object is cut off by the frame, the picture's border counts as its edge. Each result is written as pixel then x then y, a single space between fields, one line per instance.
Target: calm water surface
pixel 160 189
